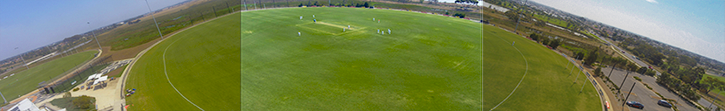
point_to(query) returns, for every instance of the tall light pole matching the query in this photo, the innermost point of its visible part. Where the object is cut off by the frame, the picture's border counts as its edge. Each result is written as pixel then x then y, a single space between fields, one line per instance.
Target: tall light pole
pixel 6 101
pixel 94 36
pixel 152 16
pixel 519 17
pixel 21 57
pixel 573 65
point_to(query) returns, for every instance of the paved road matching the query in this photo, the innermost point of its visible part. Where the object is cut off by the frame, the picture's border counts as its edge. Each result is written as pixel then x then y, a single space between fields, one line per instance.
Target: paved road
pixel 627 55
pixel 706 104
pixel 640 63
pixel 642 94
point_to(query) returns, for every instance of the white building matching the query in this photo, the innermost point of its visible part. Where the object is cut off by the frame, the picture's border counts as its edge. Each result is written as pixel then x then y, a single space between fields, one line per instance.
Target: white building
pixel 25 105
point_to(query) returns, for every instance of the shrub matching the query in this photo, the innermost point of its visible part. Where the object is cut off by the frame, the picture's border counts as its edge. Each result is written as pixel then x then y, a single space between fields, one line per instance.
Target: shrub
pixel 638 79
pixel 76 89
pixel 67 94
pixel 83 102
pixel 461 15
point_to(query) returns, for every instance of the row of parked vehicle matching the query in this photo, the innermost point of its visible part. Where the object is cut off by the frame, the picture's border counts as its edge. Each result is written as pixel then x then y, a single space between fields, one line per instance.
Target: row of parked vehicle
pixel 636 104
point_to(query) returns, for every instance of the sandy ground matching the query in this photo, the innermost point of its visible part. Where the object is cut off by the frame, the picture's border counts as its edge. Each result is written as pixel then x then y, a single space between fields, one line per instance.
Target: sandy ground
pixel 105 98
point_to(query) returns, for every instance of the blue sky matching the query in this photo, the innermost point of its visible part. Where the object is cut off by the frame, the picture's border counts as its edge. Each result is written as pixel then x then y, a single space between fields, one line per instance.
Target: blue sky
pixel 694 25
pixel 30 24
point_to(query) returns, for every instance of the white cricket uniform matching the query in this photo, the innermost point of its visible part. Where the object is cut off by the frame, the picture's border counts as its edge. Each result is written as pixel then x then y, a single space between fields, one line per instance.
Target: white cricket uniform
pixel 299 34
pixel 388 31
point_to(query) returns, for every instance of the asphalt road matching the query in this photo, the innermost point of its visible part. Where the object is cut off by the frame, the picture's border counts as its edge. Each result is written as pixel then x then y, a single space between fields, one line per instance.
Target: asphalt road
pixel 639 62
pixel 642 94
pixel 628 55
pixel 707 105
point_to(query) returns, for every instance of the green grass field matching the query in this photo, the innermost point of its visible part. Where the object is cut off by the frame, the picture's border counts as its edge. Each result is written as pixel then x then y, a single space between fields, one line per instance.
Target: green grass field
pixel 547 85
pixel 202 63
pixel 28 80
pixel 554 21
pixel 429 62
pixel 718 91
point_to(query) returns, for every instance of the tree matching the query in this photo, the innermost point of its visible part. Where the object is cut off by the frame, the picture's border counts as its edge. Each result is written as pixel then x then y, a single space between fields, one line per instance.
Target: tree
pixel 83 102
pixel 650 73
pixel 598 71
pixel 315 3
pixel 534 37
pixel 540 23
pixel 366 5
pixel 554 43
pixel 642 70
pixel 580 55
pixel 300 5
pixel 711 83
pixel 67 94
pixel 511 15
pixel 632 67
pixel 460 15
pixel 591 58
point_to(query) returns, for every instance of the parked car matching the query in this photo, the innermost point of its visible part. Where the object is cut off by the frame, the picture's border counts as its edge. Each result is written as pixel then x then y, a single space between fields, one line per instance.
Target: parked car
pixel 664 103
pixel 635 104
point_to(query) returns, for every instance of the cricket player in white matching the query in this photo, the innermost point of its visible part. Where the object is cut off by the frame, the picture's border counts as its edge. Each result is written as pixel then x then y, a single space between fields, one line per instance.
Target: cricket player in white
pixel 313 16
pixel 378 30
pixel 343 29
pixel 299 34
pixel 388 31
pixel 348 26
pixel 512 44
pixel 300 17
pixel 373 19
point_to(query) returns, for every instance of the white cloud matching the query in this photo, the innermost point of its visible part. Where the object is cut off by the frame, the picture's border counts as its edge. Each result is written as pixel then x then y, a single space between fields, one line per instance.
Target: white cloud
pixel 651 1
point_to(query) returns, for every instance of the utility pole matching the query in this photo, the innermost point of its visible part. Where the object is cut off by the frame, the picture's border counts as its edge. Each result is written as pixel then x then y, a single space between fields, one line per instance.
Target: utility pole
pixel 567 63
pixel 625 79
pixel 630 92
pixel 228 9
pixel 577 76
pixel 580 90
pixel 572 67
pixel 202 16
pixel 152 16
pixel 519 17
pixel 21 57
pixel 94 36
pixel 214 9
pixel 6 101
pixel 610 71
